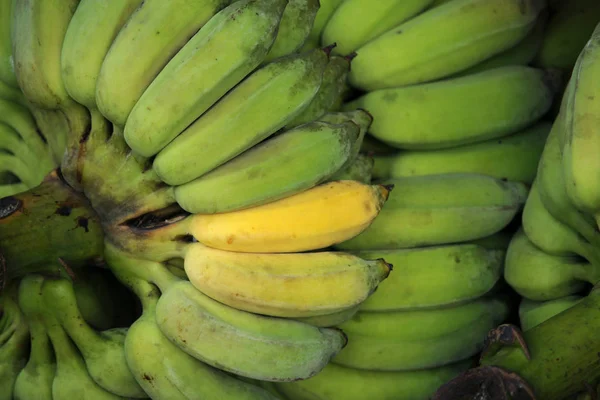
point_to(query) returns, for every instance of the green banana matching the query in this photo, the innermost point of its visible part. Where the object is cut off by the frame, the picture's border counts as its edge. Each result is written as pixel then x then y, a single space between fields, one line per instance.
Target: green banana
pixel 295 27
pixel 284 285
pixel 426 210
pixel 537 275
pixel 273 169
pixel 194 79
pixel 336 382
pixel 360 170
pixel 14 340
pixel 442 41
pixel 389 349
pixel 462 110
pixel 96 298
pixel 326 10
pixel 13 144
pixel 514 158
pixel 360 117
pixel 374 146
pixel 329 320
pixel 90 33
pixel 532 313
pixel 497 241
pixel 152 36
pixel 469 271
pixel 356 22
pixel 20 169
pixel 7 71
pixel 284 87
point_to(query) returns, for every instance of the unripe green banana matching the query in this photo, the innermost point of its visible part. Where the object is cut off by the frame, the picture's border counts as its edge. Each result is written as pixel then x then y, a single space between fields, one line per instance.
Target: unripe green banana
pixel 533 313
pixel 326 9
pixel 12 143
pixel 376 147
pixel 497 241
pixel 95 298
pixel 194 79
pixel 284 88
pixel 537 275
pixel 461 110
pixel 7 70
pixel 329 320
pixel 360 170
pixel 360 117
pixel 514 158
pixel 14 338
pixel 426 210
pixel 20 169
pixel 284 285
pixel 442 41
pixel 356 22
pixel 152 36
pixel 90 33
pixel 432 277
pixel 336 382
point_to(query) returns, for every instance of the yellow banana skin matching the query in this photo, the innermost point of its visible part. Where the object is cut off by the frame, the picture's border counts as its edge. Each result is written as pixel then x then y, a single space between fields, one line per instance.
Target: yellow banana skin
pixel 326 9
pixel 514 158
pixel 195 79
pixel 532 313
pixel 284 285
pixel 462 110
pixel 326 214
pixel 537 275
pixel 273 169
pixel 90 33
pixel 425 211
pixel 153 34
pixel 7 71
pixel 284 87
pixel 469 271
pixel 14 338
pixel 336 382
pixel 442 41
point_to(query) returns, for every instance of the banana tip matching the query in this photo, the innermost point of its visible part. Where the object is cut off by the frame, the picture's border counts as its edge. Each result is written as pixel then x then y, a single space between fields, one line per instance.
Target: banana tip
pixel 329 49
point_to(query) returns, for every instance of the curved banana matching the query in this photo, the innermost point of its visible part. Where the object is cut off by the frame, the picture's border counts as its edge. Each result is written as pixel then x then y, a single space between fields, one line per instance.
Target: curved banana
pixel 448 113
pixel 7 70
pixel 284 285
pixel 284 87
pixel 532 313
pixel 20 169
pixel 428 210
pixel 272 170
pixel 14 338
pixel 360 117
pixel 514 158
pixel 442 41
pixel 356 22
pixel 326 10
pixel 329 320
pixel 194 79
pixel 360 170
pixel 152 36
pixel 314 219
pixel 430 277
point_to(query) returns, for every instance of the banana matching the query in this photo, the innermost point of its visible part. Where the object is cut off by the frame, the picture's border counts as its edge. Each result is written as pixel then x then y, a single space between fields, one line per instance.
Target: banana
pixel 152 36
pixel 533 313
pixel 442 41
pixel 314 219
pixel 336 382
pixel 382 350
pixel 20 169
pixel 463 110
pixel 34 381
pixel 272 170
pixel 14 145
pixel 537 275
pixel 296 24
pixel 90 33
pixel 7 70
pixel 360 117
pixel 433 277
pixel 14 342
pixel 103 352
pixel 96 298
pixel 428 210
pixel 326 10
pixel 284 285
pixel 329 320
pixel 360 170
pixel 194 79
pixel 497 241
pixel 569 28
pixel 356 22
pixel 514 158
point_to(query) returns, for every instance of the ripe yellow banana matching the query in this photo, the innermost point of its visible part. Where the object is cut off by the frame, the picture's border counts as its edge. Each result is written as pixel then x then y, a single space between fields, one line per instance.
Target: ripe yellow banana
pixel 514 158
pixel 284 87
pixel 532 313
pixel 314 219
pixel 442 41
pixel 194 79
pixel 153 34
pixel 7 71
pixel 461 110
pixel 284 285
pixel 439 209
pixel 432 277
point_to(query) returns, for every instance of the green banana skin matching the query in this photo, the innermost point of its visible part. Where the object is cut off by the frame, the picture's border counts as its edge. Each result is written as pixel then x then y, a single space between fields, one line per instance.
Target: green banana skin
pixel 295 27
pixel 195 79
pixel 389 353
pixel 360 170
pixel 463 110
pixel 284 87
pixel 497 241
pixel 443 41
pixel 326 10
pixel 39 165
pixel 532 313
pixel 426 210
pixel 272 170
pixel 95 298
pixel 356 22
pixel 418 284
pixel 330 320
pixel 20 169
pixel 7 72
pixel 540 276
pixel 376 147
pixel 514 158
